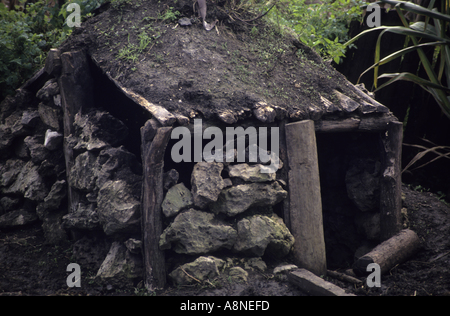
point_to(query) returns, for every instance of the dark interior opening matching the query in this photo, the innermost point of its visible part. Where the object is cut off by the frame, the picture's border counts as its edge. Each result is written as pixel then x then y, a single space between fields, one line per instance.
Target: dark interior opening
pixel 337 153
pixel 109 98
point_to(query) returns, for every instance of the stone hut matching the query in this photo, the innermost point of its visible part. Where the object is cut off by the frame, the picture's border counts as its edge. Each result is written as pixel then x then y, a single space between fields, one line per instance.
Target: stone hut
pixel 129 124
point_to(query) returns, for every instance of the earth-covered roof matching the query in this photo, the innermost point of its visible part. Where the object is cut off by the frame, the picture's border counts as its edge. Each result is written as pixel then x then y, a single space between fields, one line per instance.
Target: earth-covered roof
pixel 227 73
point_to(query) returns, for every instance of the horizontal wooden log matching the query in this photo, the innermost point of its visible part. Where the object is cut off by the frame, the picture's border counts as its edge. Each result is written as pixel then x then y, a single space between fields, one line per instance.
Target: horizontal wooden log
pixel 314 285
pixel 355 124
pixel 389 253
pixel 333 126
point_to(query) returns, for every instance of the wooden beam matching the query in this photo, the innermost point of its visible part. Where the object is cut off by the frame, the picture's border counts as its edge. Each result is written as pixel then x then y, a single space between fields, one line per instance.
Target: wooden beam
pixel 314 285
pixel 338 126
pixel 304 197
pixel 391 184
pixel 355 124
pixel 76 92
pixel 154 142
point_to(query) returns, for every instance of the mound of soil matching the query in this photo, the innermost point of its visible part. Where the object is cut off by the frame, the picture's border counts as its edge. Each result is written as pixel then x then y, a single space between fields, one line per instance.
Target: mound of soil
pixel 30 267
pixel 196 73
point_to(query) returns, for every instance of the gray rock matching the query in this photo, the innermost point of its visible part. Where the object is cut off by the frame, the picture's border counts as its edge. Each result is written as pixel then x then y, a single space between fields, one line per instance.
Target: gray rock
pixel 82 174
pixel 50 116
pixel 53 140
pixel 134 245
pixel 250 173
pixel 206 183
pixel 117 163
pixel 202 269
pixel 239 198
pixel 9 171
pixel 57 100
pixel 35 145
pixel 238 274
pixel 17 124
pixel 196 232
pixel 284 268
pixel 255 263
pixel 120 267
pixel 264 112
pixel 177 198
pixel 57 193
pixel 49 89
pixel 227 183
pixel 8 204
pixel 29 119
pixel 259 235
pixel 6 138
pixel 97 130
pixel 28 183
pixel 185 22
pixel 253 154
pixel 362 181
pixel 17 218
pixel 85 217
pixel 170 178
pixel 118 208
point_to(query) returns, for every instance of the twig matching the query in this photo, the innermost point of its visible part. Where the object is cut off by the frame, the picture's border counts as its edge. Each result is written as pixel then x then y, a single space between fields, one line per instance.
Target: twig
pixel 254 19
pixel 439 257
pixel 190 276
pixel 343 277
pixel 207 281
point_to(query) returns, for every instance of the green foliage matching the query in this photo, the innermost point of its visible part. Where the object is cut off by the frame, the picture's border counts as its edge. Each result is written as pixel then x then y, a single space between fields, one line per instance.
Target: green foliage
pixel 132 51
pixel 119 3
pixel 169 15
pixel 419 35
pixel 322 26
pixel 26 38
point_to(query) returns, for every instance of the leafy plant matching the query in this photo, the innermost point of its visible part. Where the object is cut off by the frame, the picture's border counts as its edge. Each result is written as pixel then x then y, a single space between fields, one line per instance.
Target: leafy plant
pixel 439 151
pixel 322 26
pixel 26 37
pixel 132 51
pixel 418 36
pixel 169 15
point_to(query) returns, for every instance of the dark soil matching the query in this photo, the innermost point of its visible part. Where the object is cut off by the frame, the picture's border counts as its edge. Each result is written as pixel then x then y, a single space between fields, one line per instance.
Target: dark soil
pixel 196 73
pixel 30 267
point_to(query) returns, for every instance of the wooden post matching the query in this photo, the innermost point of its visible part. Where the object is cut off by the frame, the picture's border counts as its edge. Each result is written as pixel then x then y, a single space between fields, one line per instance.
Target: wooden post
pixel 304 197
pixel 283 172
pixel 154 142
pixel 391 183
pixel 76 92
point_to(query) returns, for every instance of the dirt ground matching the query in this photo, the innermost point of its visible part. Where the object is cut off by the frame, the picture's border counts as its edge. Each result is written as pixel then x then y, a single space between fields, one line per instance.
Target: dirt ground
pixel 30 267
